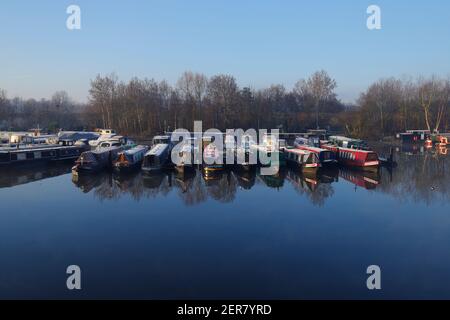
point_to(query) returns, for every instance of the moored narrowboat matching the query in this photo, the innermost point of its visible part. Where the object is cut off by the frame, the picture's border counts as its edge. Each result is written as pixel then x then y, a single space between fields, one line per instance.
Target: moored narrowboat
pixel 157 158
pixel 326 157
pixel 345 142
pixel 212 159
pixel 186 159
pixel 159 155
pixel 31 154
pixel 363 159
pixel 246 155
pixel 270 149
pixel 306 160
pixel 414 136
pixel 131 159
pixel 96 160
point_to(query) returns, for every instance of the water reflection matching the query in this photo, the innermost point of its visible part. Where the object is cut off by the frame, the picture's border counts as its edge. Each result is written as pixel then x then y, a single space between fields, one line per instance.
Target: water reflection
pixel 422 175
pixel 14 176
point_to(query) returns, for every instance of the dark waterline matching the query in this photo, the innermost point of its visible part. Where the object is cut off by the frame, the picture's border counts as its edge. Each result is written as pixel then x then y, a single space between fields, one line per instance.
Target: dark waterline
pixel 240 235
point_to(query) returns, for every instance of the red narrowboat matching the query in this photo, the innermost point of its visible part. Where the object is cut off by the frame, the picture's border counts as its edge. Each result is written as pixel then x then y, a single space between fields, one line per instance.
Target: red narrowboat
pixel 364 159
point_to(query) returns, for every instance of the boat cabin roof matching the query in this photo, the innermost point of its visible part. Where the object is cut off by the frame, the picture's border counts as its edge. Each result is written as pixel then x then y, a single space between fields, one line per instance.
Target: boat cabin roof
pixel 101 150
pixel 161 137
pixel 417 131
pixel 158 149
pixel 356 150
pixel 297 151
pixel 342 138
pixel 136 149
pixel 315 149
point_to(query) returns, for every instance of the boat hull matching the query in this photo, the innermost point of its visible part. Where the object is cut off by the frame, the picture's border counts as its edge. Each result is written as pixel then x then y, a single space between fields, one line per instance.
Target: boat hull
pixel 126 168
pixel 184 168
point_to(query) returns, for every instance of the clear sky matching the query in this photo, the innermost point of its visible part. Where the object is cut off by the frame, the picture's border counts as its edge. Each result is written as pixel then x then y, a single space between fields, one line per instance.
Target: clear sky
pixel 260 42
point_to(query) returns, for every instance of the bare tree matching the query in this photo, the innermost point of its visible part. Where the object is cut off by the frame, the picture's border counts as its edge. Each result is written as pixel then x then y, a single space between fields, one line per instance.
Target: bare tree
pixel 427 95
pixel 193 88
pixel 443 100
pixel 223 96
pixel 320 87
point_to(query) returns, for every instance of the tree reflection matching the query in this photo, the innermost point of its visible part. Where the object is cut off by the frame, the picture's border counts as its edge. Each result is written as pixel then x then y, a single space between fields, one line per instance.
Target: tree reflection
pixel 316 187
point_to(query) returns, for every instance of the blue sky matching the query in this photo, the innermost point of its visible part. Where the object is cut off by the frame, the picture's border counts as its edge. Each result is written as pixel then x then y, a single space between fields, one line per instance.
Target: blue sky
pixel 259 42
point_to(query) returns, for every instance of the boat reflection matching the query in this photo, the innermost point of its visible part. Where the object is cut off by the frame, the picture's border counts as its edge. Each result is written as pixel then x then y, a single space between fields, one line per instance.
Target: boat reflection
pixel 442 150
pixel 15 176
pixel 418 177
pixel 246 179
pixel 365 179
pixel 275 181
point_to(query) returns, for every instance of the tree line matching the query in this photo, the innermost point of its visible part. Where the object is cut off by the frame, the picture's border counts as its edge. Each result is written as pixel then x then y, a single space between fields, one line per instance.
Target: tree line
pixel 143 107
pixel 48 114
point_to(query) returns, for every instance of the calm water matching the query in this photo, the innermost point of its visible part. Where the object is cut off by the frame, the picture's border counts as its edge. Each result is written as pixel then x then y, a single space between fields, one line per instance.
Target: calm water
pixel 239 236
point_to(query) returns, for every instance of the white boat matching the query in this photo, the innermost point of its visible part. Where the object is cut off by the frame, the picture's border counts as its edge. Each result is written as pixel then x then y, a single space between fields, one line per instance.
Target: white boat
pixel 116 141
pixel 104 135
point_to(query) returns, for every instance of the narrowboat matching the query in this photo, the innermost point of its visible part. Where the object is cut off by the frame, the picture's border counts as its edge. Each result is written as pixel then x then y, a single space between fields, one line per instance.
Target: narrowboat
pixel 212 159
pixel 326 157
pixel 350 143
pixel 312 141
pixel 186 156
pixel 96 160
pixel 306 160
pixel 246 155
pixel 164 139
pixel 414 136
pixel 157 158
pixel 270 148
pixel 131 159
pixel 70 150
pixel 64 150
pixel 363 159
pixel 27 155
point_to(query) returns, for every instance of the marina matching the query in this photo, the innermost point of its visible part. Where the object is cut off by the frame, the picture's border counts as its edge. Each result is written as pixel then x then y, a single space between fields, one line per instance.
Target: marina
pixel 186 217
pixel 105 149
pixel 166 235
